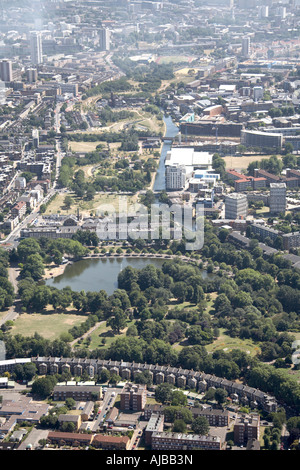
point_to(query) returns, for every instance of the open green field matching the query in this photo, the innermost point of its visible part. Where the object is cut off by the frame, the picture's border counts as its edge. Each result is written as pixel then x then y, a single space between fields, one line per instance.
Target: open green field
pixel 85 147
pixel 2 314
pixel 104 332
pixel 102 202
pixel 263 212
pixel 226 343
pixel 295 374
pixel 241 163
pixel 48 325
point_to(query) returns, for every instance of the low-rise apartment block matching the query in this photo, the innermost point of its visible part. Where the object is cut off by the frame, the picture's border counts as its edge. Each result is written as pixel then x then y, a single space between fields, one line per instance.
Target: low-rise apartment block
pixel 77 392
pixel 155 424
pixel 68 418
pixel 19 210
pixel 214 417
pixel 291 240
pixel 178 441
pixel 263 231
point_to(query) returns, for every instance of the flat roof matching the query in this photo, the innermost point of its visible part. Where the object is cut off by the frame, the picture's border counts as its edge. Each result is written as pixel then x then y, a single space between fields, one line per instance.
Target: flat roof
pixel 188 157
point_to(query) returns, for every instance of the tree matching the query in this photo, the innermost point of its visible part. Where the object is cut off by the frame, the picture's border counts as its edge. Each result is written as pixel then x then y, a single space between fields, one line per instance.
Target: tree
pixel 68 427
pixel 143 378
pixel 90 193
pixel 33 267
pixel 220 395
pixel 200 425
pixel 196 335
pixel 185 414
pixel 68 202
pixel 178 398
pixel 105 375
pixel 179 426
pixel 210 394
pixel 43 386
pixel 170 413
pixel 27 247
pixel 118 320
pixel 164 393
pixel 29 371
pixel 70 403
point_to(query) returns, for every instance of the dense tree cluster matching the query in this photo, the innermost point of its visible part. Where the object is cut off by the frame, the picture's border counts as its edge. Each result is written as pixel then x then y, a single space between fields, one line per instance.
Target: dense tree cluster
pixel 255 298
pixel 107 87
pixel 107 115
pixel 32 254
pixel 6 288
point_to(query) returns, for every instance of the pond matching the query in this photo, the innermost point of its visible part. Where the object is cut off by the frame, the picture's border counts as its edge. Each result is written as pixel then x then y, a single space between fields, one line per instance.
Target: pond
pixel 95 274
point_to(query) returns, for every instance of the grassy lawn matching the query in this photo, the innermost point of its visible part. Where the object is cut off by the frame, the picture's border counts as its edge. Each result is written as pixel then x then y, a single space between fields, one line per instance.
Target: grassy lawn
pixel 2 314
pixel 181 75
pixel 85 146
pixel 226 343
pixel 183 305
pixel 101 202
pixel 210 303
pixel 190 306
pixel 291 373
pixel 48 325
pixel 263 212
pixel 241 163
pixel 105 332
pixel 152 401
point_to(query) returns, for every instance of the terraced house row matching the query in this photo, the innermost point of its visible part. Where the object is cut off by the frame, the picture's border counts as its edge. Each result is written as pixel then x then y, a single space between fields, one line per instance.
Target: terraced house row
pixel 128 370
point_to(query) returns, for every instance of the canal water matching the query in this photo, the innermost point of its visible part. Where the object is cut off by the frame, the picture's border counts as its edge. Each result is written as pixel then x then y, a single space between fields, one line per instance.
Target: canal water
pixel 171 131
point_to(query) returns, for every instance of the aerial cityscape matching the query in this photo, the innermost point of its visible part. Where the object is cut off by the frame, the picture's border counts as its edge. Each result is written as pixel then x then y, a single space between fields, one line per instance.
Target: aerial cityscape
pixel 150 227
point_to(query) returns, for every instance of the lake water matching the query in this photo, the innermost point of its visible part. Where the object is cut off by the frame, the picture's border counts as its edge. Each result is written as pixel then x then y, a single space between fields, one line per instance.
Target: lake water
pixel 171 131
pixel 95 274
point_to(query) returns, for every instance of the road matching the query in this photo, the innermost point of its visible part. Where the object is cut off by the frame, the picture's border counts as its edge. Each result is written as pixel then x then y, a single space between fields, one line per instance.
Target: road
pixel 13 311
pixel 106 406
pixel 85 335
pixel 33 438
pixel 11 241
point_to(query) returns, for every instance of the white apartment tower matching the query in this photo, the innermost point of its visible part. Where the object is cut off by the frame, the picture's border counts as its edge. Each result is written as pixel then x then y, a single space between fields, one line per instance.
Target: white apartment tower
pixel 36 51
pixel 105 39
pixel 2 93
pixel 258 93
pixel 175 177
pixel 263 11
pixel 6 73
pixel 32 75
pixel 277 198
pixel 236 206
pixel 246 45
